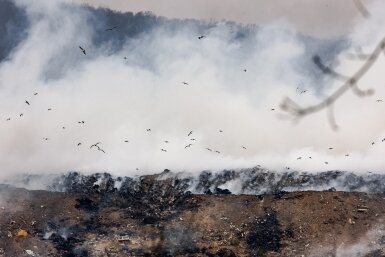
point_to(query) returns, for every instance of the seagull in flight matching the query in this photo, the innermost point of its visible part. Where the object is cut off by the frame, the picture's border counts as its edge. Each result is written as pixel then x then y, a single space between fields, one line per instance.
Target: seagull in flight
pixel 185 83
pixel 166 141
pixel 201 37
pixel 79 144
pixel 110 29
pixel 383 140
pixel 163 150
pixel 379 100
pixel 35 93
pixel 193 139
pixel 45 138
pixel 272 109
pixel 126 141
pixel 209 149
pixel 244 70
pixel 217 151
pixel 373 143
pixel 81 122
pixel 220 131
pixel 49 109
pixel 95 145
pixel 189 145
pixel 299 158
pixel 244 147
pixel 330 148
pixel 27 102
pixel 83 50
pixel 189 134
pixel 148 130
pixel 21 114
pixel 347 155
pixel 8 119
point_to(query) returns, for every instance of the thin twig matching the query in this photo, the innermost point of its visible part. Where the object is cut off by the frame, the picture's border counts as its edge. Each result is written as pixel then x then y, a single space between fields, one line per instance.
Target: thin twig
pixel 298 111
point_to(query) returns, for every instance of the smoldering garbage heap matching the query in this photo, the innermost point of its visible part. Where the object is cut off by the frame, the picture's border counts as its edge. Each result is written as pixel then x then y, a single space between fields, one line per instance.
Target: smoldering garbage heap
pixel 254 181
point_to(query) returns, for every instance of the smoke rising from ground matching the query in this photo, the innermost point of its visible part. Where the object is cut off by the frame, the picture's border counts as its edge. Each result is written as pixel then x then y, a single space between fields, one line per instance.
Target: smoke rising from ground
pixel 120 98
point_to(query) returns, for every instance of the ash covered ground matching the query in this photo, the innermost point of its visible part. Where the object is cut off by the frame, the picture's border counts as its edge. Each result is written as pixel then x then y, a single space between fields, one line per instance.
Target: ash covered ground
pixel 173 214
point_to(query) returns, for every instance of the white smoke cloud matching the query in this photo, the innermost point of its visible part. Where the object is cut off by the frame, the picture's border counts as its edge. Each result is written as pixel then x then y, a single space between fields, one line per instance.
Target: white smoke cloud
pixel 119 99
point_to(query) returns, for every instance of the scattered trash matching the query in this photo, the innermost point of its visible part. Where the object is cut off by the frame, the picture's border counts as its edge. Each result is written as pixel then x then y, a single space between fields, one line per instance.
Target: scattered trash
pixel 29 252
pixel 22 233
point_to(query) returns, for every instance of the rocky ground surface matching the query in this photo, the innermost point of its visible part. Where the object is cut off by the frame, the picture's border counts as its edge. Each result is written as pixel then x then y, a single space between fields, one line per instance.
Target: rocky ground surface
pixel 152 217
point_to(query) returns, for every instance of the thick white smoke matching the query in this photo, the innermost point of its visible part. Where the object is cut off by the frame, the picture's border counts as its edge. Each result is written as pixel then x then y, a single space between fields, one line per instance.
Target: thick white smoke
pixel 119 99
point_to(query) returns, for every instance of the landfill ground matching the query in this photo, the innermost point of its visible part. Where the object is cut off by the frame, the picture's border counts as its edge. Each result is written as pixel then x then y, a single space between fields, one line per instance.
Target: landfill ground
pixel 160 221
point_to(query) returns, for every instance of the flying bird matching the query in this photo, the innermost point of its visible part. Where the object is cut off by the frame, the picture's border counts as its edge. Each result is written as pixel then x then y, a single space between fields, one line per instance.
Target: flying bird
pixel 148 130
pixel 330 148
pixel 201 37
pixel 45 138
pixel 27 102
pixel 299 158
pixel 49 109
pixel 35 94
pixel 185 83
pixel 110 29
pixel 373 143
pixel 193 139
pixel 189 145
pixel 303 91
pixel 209 149
pixel 383 140
pixel 79 144
pixel 126 141
pixel 347 155
pixel 8 119
pixel 63 127
pixel 272 109
pixel 244 147
pixel 21 114
pixel 166 141
pixel 100 149
pixel 326 162
pixel 81 122
pixel 189 134
pixel 220 131
pixel 217 152
pixel 95 145
pixel 378 100
pixel 83 50
pixel 244 70
pixel 163 150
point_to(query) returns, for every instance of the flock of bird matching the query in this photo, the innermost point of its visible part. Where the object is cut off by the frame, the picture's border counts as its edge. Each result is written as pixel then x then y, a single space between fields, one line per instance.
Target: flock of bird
pixel 96 146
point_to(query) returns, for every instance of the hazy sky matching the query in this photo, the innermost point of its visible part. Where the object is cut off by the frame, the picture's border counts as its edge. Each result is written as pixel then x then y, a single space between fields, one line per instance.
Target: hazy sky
pixel 316 17
pixel 120 98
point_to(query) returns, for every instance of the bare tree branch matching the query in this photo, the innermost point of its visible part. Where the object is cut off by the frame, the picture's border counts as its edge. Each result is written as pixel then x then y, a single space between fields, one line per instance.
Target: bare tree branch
pixel 299 112
pixel 361 7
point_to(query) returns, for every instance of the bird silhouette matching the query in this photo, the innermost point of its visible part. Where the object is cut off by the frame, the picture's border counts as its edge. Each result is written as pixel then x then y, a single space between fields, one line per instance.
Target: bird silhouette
pixel 45 138
pixel 378 100
pixel 21 114
pixel 185 83
pixel 8 119
pixel 347 155
pixel 244 70
pixel 81 122
pixel 201 37
pixel 330 148
pixel 27 102
pixel 193 139
pixel 220 131
pixel 83 50
pixel 299 158
pixel 383 140
pixel 49 109
pixel 126 141
pixel 189 134
pixel 35 93
pixel 326 162
pixel 163 150
pixel 79 144
pixel 209 149
pixel 166 141
pixel 95 145
pixel 217 151
pixel 272 109
pixel 244 147
pixel 148 130
pixel 189 145
pixel 373 143
pixel 110 29
pixel 100 149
